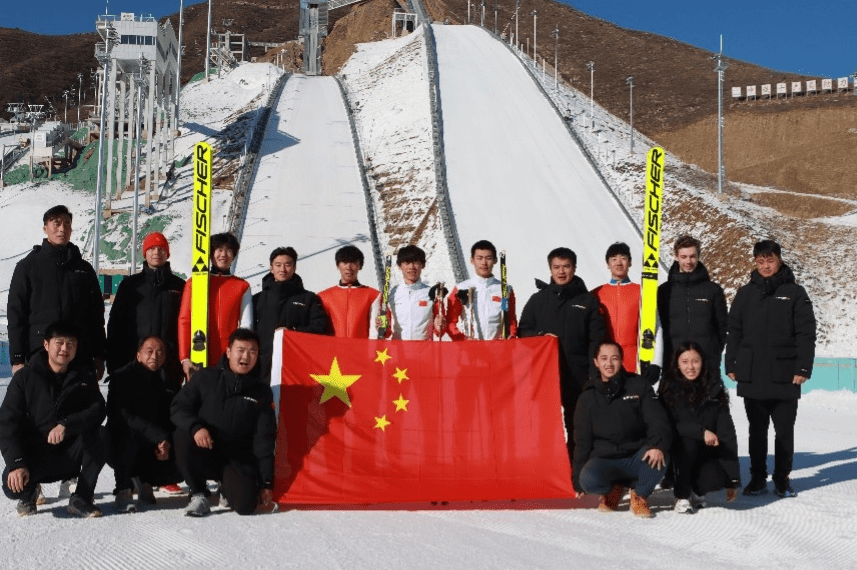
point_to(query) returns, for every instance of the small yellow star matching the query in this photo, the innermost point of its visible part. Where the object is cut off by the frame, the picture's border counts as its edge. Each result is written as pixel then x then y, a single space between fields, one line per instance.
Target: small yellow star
pixel 401 403
pixel 382 356
pixel 335 383
pixel 401 374
pixel 382 423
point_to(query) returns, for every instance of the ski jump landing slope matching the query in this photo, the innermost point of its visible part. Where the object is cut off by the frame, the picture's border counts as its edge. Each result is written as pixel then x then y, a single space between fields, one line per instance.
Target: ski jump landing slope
pixel 515 175
pixel 307 192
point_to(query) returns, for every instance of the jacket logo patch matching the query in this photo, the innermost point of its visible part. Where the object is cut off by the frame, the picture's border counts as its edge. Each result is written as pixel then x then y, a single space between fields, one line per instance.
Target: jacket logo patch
pixel 631 397
pixel 254 400
pixel 703 300
pixel 496 298
pixel 783 298
pixel 579 307
pixel 423 303
pixel 298 303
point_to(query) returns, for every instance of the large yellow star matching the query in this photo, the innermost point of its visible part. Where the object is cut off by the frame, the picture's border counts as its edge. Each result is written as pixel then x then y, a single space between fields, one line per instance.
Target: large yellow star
pixel 382 356
pixel 382 423
pixel 335 383
pixel 401 403
pixel 401 374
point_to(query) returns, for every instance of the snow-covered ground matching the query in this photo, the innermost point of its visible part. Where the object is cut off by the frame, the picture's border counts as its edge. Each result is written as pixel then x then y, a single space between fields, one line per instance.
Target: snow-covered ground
pixel 814 530
pixel 307 192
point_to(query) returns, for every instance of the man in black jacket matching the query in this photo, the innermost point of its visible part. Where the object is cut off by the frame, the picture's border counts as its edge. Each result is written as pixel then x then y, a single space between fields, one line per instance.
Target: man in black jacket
pixel 50 425
pixel 54 283
pixel 138 419
pixel 225 430
pixel 146 304
pixel 691 306
pixel 565 309
pixel 283 302
pixel 770 354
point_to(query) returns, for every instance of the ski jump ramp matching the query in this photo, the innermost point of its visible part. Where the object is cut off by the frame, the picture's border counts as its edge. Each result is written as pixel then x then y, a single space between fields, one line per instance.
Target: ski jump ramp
pixel 515 175
pixel 307 192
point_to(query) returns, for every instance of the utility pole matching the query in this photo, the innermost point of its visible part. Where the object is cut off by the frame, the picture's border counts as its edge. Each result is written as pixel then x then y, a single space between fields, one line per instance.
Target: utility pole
pixel 555 35
pixel 79 91
pixel 207 42
pixel 112 37
pixel 517 35
pixel 720 68
pixel 141 81
pixel 630 82
pixel 534 36
pixel 591 67
pixel 65 95
pixel 179 62
pixel 495 17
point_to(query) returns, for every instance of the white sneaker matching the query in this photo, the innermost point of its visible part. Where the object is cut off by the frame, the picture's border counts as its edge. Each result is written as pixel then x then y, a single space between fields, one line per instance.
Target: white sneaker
pixel 697 501
pixel 683 506
pixel 198 506
pixel 67 488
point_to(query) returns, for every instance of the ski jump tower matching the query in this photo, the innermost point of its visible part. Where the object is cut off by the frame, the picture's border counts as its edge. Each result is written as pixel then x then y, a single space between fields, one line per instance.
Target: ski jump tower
pixel 313 29
pixel 136 46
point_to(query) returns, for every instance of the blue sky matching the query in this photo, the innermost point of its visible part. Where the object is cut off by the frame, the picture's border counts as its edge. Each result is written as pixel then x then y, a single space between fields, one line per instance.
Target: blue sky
pixel 815 38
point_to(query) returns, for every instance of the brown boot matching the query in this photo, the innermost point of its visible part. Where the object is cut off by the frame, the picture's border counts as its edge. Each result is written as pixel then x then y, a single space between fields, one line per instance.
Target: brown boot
pixel 640 506
pixel 610 502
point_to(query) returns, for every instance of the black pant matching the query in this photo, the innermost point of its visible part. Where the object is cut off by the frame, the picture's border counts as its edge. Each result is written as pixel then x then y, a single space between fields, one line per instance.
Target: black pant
pixel 760 413
pixel 133 456
pixel 82 456
pixel 239 477
pixel 697 468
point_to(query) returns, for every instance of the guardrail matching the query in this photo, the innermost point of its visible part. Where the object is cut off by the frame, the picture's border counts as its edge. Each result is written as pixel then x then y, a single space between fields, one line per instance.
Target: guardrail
pixel 367 191
pixel 459 266
pixel 11 157
pixel 250 163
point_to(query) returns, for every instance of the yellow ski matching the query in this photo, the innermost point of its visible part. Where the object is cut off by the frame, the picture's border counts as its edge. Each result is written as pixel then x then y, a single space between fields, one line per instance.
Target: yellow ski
pixel 651 258
pixel 200 254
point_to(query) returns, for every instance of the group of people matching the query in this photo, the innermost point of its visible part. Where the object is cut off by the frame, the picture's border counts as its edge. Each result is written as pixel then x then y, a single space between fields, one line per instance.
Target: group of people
pixel 170 419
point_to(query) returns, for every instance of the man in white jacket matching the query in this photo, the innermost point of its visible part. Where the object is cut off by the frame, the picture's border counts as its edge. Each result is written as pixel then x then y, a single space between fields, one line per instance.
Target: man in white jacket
pixel 479 314
pixel 413 313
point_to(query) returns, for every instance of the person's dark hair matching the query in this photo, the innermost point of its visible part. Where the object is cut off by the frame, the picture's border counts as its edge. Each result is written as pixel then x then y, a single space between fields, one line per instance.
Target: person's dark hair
pixel 562 253
pixel 609 343
pixel 290 251
pixel 349 254
pixel 244 334
pixel 56 212
pixel 62 328
pixel 766 248
pixel 676 390
pixel 227 239
pixel 687 241
pixel 410 253
pixel 153 337
pixel 618 248
pixel 483 244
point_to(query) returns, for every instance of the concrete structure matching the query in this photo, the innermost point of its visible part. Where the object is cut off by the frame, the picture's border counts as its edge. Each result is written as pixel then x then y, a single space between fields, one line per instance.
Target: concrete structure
pixel 141 40
pixel 313 29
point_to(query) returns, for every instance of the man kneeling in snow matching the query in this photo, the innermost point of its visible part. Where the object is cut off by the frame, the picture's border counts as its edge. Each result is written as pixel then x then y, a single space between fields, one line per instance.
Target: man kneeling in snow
pixel 50 425
pixel 225 430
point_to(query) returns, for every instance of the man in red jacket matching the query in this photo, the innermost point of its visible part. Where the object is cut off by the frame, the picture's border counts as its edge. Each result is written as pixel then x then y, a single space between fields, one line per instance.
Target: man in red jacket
pixel 620 304
pixel 352 307
pixel 230 304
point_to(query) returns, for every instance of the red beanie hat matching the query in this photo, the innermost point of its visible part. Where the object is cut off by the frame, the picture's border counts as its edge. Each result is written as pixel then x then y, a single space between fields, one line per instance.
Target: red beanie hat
pixel 156 239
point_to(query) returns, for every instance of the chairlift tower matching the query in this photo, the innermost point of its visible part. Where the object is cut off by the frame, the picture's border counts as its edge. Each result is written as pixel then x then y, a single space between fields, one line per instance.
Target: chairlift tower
pixel 312 30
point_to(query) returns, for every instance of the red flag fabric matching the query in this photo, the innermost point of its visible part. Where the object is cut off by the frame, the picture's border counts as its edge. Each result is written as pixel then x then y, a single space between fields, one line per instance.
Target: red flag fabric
pixel 373 421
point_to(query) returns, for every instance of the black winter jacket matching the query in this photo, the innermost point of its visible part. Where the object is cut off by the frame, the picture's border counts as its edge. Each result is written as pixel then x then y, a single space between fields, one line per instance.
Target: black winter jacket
pixel 146 303
pixel 138 403
pixel 54 283
pixel 712 415
pixel 572 313
pixel 38 399
pixel 285 304
pixel 692 307
pixel 616 419
pixel 771 336
pixel 237 410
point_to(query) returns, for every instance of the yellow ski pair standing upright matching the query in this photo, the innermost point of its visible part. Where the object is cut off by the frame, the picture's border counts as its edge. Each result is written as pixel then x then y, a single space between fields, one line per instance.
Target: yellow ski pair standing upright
pixel 651 256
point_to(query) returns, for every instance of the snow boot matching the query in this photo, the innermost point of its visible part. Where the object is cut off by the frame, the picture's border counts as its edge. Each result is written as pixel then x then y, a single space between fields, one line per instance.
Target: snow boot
pixel 697 501
pixel 81 508
pixel 640 506
pixel 610 502
pixel 171 489
pixel 27 505
pixel 67 488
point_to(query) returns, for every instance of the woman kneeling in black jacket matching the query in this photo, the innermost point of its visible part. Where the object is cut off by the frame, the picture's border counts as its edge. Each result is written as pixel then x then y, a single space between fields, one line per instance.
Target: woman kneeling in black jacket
pixel 705 450
pixel 621 435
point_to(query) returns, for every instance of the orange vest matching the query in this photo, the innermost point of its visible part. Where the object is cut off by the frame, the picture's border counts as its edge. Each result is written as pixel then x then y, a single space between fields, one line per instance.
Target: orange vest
pixel 620 307
pixel 225 293
pixel 350 309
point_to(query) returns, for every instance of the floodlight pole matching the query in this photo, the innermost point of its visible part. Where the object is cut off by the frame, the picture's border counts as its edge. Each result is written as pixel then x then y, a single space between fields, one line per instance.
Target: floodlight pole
pixel 207 42
pixel 179 62
pixel 517 35
pixel 495 17
pixel 555 49
pixel 103 59
pixel 720 68
pixel 630 82
pixel 591 67
pixel 79 90
pixel 854 75
pixel 141 82
pixel 534 37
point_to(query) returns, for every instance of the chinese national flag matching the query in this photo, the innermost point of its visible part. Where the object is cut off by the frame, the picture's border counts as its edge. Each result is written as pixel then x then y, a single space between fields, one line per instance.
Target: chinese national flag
pixel 366 421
